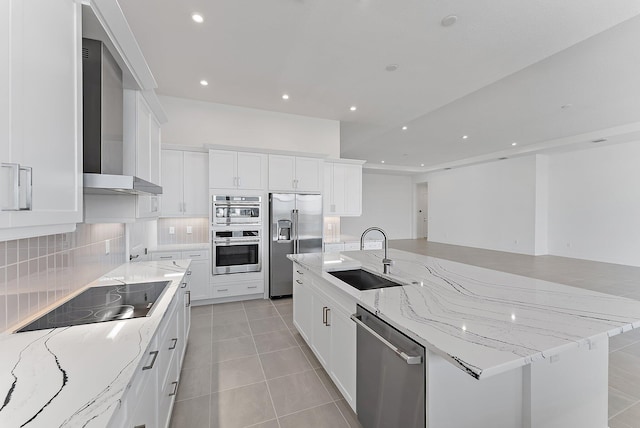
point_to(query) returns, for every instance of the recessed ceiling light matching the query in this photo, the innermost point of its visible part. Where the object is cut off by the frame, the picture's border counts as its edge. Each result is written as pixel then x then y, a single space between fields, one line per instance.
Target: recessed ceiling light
pixel 514 144
pixel 381 161
pixel 204 83
pixel 392 67
pixel 404 128
pixel 464 137
pixel 353 108
pixel 449 20
pixel 285 96
pixel 197 18
pixel 421 164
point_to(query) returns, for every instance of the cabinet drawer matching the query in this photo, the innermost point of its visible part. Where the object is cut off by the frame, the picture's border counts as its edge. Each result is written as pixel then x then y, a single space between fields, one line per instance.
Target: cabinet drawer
pixel 239 289
pixel 166 255
pixel 196 255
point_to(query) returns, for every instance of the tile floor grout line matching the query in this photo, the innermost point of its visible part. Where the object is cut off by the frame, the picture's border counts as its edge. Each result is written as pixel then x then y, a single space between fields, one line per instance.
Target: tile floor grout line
pixel 311 408
pixel 273 406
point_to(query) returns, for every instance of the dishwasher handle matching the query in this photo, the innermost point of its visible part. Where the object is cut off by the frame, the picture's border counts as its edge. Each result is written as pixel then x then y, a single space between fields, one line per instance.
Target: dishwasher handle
pixel 409 359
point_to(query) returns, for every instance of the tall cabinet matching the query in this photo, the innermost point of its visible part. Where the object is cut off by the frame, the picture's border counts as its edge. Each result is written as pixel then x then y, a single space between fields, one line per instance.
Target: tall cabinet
pixel 40 116
pixel 184 184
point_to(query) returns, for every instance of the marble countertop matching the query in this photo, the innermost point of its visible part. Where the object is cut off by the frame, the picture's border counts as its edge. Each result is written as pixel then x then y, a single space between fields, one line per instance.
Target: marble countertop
pixel 76 376
pixel 181 247
pixel 484 321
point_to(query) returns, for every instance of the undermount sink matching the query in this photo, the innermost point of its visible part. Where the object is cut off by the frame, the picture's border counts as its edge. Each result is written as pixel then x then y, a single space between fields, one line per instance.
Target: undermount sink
pixel 363 280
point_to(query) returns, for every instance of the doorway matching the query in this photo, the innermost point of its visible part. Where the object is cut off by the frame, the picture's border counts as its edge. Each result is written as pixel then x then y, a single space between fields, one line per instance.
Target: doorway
pixel 422 224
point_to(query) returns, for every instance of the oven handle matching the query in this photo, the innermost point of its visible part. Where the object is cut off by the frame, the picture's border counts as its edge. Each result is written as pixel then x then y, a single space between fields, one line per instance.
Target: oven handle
pixel 235 241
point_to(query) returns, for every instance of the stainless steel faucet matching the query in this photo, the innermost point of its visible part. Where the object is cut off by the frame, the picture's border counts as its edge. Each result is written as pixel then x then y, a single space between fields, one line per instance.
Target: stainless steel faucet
pixel 386 262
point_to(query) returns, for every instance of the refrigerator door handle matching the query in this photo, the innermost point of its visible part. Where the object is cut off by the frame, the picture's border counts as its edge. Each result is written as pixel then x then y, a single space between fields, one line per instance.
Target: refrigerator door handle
pixel 296 242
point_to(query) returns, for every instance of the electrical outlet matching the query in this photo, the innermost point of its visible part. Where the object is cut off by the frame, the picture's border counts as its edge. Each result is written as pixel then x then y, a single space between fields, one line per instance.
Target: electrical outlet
pixel 189 230
pixel 107 247
pixel 172 230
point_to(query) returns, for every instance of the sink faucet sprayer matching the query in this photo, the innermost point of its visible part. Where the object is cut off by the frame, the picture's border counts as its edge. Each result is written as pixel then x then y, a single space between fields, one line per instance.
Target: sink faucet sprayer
pixel 386 262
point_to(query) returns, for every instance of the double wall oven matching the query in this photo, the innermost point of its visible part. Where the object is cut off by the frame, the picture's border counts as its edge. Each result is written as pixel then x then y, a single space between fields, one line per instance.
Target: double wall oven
pixel 236 238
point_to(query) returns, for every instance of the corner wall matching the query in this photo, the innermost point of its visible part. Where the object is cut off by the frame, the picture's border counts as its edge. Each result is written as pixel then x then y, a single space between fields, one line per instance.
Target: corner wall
pixel 196 123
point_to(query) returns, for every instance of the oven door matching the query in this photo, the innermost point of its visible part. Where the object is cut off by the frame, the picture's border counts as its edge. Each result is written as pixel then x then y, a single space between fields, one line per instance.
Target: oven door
pixel 236 256
pixel 226 214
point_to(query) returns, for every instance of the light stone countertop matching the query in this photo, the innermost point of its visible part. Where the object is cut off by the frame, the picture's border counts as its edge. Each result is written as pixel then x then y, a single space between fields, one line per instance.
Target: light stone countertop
pixel 484 321
pixel 76 376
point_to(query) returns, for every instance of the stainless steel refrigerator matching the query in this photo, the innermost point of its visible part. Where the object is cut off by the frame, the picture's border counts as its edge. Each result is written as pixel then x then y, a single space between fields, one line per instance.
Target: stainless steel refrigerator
pixel 295 227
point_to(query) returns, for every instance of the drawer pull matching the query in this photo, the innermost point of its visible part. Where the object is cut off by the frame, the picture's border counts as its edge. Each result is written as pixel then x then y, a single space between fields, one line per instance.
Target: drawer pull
pixel 184 284
pixel 175 389
pixel 140 426
pixel 195 255
pixel 188 273
pixel 298 281
pixel 188 293
pixel 166 257
pixel 301 273
pixel 222 289
pixel 253 286
pixel 153 361
pixel 175 343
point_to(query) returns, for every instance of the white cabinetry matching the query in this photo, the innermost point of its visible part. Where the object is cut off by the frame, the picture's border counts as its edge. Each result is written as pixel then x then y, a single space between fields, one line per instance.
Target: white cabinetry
pixel 294 173
pixel 40 118
pixel 142 137
pixel 151 394
pixel 343 188
pixel 199 270
pixel 184 184
pixel 237 170
pixel 321 315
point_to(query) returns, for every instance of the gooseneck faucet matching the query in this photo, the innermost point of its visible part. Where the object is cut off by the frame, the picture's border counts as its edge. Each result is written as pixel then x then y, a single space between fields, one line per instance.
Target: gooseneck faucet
pixel 386 262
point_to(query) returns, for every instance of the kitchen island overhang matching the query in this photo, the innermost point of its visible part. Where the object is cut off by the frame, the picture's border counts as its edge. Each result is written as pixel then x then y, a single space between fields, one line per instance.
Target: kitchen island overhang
pixel 538 348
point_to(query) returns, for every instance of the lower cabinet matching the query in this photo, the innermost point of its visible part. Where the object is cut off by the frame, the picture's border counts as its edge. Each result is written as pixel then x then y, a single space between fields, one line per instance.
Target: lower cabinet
pixel 327 328
pixel 149 399
pixel 199 282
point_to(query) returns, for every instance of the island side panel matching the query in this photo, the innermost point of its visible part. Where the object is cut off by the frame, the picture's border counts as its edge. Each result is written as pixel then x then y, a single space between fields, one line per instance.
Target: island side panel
pixel 568 390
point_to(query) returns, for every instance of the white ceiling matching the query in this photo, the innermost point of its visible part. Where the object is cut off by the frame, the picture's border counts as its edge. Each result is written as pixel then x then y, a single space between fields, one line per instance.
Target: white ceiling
pixel 499 75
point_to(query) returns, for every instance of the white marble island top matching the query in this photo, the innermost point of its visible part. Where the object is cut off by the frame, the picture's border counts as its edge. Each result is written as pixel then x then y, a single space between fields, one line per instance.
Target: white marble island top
pixel 484 321
pixel 76 376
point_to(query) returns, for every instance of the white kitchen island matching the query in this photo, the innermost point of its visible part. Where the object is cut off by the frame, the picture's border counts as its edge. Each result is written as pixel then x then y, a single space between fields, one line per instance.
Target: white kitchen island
pixel 503 350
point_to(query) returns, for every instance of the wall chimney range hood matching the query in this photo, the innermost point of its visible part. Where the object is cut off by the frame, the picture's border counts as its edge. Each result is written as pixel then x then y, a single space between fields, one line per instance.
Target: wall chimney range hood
pixel 102 102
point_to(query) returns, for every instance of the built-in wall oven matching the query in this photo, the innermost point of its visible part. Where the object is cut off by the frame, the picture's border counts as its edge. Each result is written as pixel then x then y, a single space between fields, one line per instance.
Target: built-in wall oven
pixel 235 210
pixel 236 251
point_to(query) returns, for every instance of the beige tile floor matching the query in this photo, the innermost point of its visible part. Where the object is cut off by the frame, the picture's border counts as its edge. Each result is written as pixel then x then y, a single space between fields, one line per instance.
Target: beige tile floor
pixel 246 366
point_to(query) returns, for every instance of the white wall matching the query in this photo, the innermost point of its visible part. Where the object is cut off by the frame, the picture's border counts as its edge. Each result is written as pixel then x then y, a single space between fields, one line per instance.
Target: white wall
pixel 196 123
pixel 489 206
pixel 387 202
pixel 594 204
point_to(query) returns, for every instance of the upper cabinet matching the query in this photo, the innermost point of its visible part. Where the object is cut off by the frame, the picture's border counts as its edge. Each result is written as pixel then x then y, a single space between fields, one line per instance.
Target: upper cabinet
pixel 184 184
pixel 40 117
pixel 295 174
pixel 141 138
pixel 237 170
pixel 343 188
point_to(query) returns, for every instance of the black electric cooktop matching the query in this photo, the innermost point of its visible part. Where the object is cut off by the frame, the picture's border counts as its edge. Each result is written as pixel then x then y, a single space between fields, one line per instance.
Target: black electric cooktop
pixel 100 304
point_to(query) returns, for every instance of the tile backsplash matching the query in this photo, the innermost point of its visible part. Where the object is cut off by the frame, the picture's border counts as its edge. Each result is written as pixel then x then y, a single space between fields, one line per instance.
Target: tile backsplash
pixel 38 272
pixel 199 230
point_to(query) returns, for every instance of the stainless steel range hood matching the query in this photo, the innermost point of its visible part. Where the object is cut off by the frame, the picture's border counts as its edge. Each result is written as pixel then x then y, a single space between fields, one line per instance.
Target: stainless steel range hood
pixel 102 101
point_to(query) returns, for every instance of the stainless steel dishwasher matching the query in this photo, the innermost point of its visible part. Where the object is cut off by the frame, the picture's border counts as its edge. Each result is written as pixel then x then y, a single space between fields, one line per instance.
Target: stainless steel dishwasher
pixel 390 375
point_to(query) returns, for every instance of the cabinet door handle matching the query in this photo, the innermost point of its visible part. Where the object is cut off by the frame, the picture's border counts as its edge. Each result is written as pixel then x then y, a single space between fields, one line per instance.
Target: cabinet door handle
pixel 175 389
pixel 15 172
pixel 184 207
pixel 238 181
pixel 188 294
pixel 153 361
pixel 327 321
pixel 140 426
pixel 175 343
pixel 324 315
pixel 299 282
pixel 29 183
